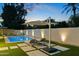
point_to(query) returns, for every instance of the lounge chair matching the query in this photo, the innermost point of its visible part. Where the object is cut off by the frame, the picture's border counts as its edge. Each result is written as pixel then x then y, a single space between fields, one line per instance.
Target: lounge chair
pixel 36 43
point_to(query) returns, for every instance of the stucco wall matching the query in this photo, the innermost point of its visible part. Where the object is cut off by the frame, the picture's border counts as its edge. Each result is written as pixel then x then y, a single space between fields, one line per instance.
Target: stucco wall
pixel 62 35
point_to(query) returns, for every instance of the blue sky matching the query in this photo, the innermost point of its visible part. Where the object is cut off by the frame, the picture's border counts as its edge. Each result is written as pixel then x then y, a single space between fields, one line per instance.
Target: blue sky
pixel 44 10
pixel 1 7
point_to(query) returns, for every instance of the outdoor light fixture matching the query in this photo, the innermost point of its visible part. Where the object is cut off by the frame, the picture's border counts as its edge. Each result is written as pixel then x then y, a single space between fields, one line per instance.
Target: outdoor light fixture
pixel 27 32
pixel 21 31
pixel 64 34
pixel 33 32
pixel 42 33
pixel 63 37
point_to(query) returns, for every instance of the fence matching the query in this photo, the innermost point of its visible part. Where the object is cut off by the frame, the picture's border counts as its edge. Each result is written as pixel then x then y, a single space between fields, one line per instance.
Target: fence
pixel 61 35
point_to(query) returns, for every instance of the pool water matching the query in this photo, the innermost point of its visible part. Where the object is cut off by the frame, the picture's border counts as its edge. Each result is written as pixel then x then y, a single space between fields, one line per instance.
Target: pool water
pixel 18 38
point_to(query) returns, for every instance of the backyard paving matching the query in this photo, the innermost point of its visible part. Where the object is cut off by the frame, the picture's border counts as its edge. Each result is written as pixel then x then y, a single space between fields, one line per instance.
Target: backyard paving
pixel 13 47
pixel 3 48
pixel 22 44
pixel 36 53
pixel 6 48
pixel 32 51
pixel 61 48
pixel 26 47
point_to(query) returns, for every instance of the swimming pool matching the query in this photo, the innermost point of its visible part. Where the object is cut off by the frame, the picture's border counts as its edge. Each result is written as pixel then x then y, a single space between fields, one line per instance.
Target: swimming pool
pixel 18 38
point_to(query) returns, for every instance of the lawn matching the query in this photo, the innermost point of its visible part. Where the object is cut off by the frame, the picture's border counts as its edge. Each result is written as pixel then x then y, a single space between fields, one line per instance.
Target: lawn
pixel 2 40
pixel 8 44
pixel 74 50
pixel 11 52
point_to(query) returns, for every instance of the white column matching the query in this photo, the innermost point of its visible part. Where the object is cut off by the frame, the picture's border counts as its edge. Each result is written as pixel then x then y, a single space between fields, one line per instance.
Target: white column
pixel 42 33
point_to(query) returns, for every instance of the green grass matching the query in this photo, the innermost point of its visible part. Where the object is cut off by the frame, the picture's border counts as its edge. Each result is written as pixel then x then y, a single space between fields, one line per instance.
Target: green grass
pixel 17 52
pixel 8 44
pixel 2 40
pixel 73 50
pixel 13 52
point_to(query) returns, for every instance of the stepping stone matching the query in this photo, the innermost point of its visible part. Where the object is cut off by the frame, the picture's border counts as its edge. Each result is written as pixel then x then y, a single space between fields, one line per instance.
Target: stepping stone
pixel 36 53
pixel 3 48
pixel 22 44
pixel 28 48
pixel 13 47
pixel 61 48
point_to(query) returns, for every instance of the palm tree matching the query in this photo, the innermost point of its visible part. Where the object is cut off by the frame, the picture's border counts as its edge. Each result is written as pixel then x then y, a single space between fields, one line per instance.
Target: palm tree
pixel 71 7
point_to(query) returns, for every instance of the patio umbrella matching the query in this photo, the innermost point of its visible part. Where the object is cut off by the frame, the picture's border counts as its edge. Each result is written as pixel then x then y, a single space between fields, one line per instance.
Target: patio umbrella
pixel 42 23
pixel 36 22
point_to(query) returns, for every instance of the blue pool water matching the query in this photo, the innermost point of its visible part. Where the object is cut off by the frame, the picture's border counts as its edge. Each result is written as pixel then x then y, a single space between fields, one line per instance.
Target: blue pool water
pixel 18 38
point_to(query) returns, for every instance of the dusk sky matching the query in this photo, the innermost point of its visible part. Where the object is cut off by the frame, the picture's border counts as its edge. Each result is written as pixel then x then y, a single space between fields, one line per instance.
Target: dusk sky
pixel 44 10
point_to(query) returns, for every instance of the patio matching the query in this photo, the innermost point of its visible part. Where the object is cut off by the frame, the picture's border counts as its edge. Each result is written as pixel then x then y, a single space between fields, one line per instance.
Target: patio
pixel 37 50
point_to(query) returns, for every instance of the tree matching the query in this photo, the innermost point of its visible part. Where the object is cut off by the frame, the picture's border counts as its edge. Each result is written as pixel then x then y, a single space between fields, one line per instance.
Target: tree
pixel 71 7
pixel 13 15
pixel 61 24
pixel 52 20
pixel 75 20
